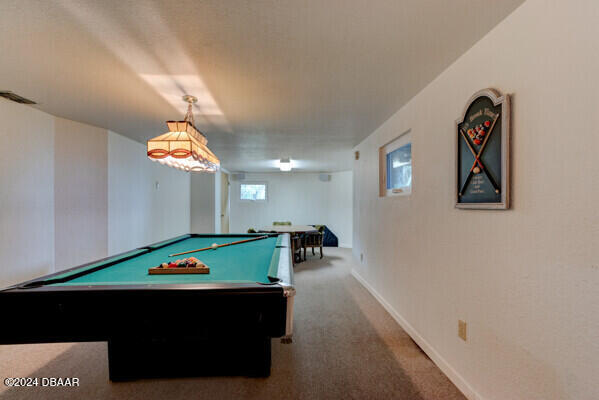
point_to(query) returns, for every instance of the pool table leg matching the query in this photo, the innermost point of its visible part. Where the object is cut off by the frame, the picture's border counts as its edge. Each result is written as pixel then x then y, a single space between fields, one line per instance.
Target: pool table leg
pixel 261 357
pixel 120 361
pixel 134 358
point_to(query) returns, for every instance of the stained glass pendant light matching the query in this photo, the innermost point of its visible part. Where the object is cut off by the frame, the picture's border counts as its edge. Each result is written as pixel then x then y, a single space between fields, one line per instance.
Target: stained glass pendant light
pixel 183 146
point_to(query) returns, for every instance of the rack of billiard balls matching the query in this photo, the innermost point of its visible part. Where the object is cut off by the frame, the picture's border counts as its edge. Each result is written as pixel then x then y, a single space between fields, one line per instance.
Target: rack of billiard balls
pixel 189 265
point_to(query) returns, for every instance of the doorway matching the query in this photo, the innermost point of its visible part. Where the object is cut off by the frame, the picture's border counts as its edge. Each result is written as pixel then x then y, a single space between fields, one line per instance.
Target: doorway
pixel 224 203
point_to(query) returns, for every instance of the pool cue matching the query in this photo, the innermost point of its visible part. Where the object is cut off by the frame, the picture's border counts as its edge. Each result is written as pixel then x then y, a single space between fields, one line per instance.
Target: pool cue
pixel 477 158
pixel 471 149
pixel 220 245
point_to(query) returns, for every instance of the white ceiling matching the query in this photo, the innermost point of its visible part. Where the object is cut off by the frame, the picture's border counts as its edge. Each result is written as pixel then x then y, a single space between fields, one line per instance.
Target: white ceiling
pixel 305 79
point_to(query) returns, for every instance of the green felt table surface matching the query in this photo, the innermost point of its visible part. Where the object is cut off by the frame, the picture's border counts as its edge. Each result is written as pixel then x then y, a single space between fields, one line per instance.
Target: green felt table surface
pixel 245 262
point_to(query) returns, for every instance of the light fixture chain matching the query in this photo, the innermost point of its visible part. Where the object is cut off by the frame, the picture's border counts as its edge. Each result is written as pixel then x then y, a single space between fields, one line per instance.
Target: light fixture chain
pixel 189 115
pixel 190 101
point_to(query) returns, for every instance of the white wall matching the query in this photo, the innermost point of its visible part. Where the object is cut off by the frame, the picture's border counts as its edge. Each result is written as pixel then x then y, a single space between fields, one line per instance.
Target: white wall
pixel 218 183
pixel 148 202
pixel 297 197
pixel 80 193
pixel 71 193
pixel 340 206
pixel 526 280
pixel 203 203
pixel 26 193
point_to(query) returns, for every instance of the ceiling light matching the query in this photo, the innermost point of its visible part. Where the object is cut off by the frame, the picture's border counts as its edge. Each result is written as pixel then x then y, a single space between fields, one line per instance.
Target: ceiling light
pixel 285 164
pixel 183 146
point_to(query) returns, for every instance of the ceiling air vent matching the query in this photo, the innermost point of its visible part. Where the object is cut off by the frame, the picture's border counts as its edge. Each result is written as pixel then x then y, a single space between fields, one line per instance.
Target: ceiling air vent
pixel 7 94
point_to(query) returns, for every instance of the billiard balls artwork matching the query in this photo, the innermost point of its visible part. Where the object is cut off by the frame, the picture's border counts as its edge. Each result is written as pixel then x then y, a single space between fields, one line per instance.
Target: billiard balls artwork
pixel 478 132
pixel 482 166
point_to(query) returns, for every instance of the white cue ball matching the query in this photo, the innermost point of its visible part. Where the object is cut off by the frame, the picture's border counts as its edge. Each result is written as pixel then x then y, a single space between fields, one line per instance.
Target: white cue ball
pixel 214 246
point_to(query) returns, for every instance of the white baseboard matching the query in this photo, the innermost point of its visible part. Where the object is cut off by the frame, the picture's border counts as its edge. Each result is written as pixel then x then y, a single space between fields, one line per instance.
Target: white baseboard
pixel 345 245
pixel 443 365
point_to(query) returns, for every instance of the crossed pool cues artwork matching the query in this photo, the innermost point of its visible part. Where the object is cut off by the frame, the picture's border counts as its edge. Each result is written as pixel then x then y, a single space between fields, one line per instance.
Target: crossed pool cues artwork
pixel 478 165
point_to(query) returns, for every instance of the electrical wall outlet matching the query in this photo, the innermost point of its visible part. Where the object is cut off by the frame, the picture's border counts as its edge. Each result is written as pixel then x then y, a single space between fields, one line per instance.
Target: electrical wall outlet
pixel 462 330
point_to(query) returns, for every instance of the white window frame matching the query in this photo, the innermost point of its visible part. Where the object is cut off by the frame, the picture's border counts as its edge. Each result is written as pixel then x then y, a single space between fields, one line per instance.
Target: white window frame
pixel 254 183
pixel 401 140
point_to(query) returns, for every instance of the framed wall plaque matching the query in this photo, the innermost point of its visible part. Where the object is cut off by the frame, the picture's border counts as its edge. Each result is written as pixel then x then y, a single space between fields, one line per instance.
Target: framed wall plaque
pixel 483 143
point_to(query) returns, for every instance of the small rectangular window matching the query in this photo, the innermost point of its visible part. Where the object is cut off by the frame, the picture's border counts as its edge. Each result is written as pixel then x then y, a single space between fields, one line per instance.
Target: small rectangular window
pixel 399 167
pixel 252 191
pixel 395 165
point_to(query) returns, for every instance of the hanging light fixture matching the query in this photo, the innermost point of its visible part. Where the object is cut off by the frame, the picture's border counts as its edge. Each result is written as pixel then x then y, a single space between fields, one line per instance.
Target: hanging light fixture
pixel 183 146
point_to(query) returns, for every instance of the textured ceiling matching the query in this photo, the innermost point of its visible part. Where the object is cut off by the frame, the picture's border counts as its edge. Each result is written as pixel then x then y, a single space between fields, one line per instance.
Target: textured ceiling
pixel 305 79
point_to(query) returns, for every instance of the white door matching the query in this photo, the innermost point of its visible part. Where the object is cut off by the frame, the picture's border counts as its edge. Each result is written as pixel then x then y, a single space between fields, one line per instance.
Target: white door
pixel 224 205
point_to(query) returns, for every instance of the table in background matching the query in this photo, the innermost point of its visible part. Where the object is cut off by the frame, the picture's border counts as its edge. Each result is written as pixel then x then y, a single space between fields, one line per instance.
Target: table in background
pixel 165 325
pixel 292 230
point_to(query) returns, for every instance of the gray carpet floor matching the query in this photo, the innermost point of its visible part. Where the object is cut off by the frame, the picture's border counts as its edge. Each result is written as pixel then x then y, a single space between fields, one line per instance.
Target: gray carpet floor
pixel 345 346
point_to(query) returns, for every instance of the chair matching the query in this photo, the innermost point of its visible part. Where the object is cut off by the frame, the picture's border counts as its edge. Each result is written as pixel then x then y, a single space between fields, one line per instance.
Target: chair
pixel 313 239
pixel 279 223
pixel 252 230
pixel 296 245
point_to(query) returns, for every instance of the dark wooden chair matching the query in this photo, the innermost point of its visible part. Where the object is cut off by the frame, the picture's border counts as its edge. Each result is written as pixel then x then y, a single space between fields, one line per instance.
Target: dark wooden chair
pixel 313 239
pixel 252 230
pixel 296 245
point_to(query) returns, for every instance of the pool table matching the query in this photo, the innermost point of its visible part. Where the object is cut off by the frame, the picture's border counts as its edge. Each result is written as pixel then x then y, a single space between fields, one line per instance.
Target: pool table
pixel 165 325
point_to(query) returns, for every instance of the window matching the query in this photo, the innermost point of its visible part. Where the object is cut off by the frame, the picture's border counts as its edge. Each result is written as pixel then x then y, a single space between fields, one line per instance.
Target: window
pixel 252 191
pixel 396 166
pixel 399 167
